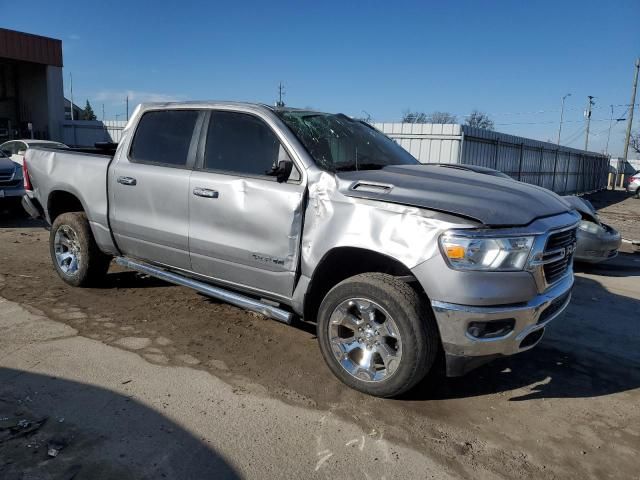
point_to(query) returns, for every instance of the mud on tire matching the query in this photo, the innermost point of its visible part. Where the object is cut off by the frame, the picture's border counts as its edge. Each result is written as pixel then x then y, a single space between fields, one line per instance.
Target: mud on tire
pixel 376 320
pixel 75 255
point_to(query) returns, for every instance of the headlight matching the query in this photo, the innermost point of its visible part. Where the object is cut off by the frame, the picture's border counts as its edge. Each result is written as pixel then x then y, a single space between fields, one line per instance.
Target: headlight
pixel 503 254
pixel 589 227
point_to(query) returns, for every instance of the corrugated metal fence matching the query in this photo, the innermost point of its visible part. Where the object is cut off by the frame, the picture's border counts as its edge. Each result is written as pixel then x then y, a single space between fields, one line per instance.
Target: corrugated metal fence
pixel 561 169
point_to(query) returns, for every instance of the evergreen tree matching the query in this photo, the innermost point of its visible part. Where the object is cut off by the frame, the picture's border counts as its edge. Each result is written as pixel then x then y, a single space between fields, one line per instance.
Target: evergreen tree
pixel 87 113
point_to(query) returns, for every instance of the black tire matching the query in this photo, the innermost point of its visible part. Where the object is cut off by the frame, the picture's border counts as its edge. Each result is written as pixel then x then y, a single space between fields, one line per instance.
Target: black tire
pixel 637 195
pixel 411 315
pixel 92 264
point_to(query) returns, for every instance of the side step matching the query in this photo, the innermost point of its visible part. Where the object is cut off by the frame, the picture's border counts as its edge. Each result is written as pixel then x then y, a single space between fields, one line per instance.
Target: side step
pixel 233 298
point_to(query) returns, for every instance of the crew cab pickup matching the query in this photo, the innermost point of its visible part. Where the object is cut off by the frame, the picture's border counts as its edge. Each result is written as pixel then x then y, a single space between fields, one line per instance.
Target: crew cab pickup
pixel 300 214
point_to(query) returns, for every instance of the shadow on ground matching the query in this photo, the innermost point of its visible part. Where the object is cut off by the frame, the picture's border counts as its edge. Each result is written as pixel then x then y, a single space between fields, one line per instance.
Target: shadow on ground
pixel 12 215
pixel 131 279
pixel 590 351
pixel 55 428
pixel 624 265
pixel 606 198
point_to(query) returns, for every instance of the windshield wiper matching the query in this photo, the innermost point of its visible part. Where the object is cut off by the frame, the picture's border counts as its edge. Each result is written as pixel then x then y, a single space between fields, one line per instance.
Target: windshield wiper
pixel 360 166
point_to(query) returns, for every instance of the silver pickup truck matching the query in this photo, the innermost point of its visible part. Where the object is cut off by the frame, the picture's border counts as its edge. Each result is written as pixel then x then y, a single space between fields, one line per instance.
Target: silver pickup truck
pixel 301 214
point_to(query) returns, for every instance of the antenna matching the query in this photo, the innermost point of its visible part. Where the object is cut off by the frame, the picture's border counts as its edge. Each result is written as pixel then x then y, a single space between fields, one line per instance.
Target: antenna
pixel 281 93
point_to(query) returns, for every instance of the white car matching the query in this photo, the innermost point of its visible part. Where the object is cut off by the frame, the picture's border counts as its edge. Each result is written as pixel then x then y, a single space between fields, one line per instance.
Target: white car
pixel 15 149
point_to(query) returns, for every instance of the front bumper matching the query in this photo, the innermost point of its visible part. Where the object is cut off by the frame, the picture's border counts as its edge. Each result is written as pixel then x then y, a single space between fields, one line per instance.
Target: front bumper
pixel 597 247
pixel 464 351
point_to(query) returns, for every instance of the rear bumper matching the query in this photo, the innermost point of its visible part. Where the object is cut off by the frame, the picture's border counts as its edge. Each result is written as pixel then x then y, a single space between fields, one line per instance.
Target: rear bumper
pixel 633 187
pixel 464 351
pixel 32 206
pixel 597 247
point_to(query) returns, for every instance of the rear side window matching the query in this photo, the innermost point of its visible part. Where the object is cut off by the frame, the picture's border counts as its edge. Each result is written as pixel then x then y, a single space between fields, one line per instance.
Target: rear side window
pixel 164 137
pixel 240 143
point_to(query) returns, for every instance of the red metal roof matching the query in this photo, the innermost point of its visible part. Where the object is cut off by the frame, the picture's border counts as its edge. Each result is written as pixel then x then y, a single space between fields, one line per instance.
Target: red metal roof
pixel 30 48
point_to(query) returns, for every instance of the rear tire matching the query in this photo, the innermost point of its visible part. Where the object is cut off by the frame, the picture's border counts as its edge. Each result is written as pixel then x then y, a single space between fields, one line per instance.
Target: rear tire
pixel 75 255
pixel 377 334
pixel 637 195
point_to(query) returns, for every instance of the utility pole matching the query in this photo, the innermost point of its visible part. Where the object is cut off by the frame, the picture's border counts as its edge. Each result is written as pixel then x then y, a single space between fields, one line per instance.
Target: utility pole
pixel 71 87
pixel 633 102
pixel 127 108
pixel 103 112
pixel 562 115
pixel 587 113
pixel 280 102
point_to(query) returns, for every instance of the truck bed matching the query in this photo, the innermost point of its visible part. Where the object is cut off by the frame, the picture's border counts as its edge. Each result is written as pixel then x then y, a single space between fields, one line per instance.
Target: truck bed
pixel 81 174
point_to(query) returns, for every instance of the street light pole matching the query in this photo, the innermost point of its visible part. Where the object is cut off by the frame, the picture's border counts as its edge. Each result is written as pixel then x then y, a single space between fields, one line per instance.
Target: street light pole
pixel 606 149
pixel 562 116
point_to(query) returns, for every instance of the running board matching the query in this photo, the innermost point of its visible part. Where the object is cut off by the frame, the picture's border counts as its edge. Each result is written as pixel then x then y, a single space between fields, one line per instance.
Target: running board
pixel 233 298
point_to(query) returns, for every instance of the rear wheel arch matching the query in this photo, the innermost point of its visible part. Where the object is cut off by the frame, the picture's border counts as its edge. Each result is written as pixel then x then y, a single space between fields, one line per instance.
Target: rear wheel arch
pixel 62 201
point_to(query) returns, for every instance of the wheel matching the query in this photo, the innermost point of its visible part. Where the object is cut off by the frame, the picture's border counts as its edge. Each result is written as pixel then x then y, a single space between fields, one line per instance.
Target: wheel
pixel 637 195
pixel 74 252
pixel 377 334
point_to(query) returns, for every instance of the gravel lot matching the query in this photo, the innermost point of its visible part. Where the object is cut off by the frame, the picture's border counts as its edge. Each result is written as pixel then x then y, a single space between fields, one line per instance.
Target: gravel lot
pixel 568 409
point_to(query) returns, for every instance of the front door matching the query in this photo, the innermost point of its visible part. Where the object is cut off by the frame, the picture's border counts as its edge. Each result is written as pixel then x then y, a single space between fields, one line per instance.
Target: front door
pixel 244 225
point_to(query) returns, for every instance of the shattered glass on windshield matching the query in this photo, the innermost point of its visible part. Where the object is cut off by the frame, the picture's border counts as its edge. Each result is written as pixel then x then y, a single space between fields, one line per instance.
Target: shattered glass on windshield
pixel 339 143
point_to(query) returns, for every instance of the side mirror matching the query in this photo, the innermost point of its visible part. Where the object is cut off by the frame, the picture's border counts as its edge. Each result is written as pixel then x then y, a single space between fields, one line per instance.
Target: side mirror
pixel 281 171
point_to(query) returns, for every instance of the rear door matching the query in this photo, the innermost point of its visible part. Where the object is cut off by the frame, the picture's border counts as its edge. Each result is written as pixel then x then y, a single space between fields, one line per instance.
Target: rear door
pixel 149 188
pixel 244 225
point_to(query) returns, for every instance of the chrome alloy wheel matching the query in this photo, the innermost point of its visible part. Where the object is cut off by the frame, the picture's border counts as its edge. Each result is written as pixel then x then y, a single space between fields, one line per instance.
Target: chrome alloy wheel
pixel 365 340
pixel 67 250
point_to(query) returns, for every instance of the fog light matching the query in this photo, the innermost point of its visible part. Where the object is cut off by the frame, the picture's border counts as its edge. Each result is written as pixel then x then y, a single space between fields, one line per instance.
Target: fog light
pixel 492 329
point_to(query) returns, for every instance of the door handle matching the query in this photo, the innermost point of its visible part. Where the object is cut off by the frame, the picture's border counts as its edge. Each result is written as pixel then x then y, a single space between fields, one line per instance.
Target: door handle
pixel 205 192
pixel 127 180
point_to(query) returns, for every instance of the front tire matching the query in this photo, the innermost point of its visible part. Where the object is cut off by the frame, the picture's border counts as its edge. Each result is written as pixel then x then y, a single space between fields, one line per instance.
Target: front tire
pixel 75 255
pixel 377 335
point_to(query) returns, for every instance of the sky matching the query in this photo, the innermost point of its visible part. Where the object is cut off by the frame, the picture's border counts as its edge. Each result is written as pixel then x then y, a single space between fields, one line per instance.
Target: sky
pixel 511 59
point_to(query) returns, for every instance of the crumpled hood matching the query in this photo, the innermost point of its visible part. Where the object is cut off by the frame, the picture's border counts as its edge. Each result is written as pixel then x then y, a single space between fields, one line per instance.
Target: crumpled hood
pixel 582 206
pixel 493 201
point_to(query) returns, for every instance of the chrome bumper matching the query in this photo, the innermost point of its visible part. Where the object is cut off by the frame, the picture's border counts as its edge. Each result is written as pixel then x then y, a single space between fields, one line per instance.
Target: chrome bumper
pixel 529 322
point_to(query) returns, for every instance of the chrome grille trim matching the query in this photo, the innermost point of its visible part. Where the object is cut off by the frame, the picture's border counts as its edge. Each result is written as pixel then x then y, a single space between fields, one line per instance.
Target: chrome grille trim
pixel 548 262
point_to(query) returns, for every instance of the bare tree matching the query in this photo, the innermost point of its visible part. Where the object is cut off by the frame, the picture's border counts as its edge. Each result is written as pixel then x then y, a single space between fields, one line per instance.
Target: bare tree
pixel 634 141
pixel 414 117
pixel 480 119
pixel 434 117
pixel 441 117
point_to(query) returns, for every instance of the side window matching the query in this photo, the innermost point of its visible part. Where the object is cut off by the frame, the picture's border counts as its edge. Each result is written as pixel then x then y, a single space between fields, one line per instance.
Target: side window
pixel 20 148
pixel 240 143
pixel 164 137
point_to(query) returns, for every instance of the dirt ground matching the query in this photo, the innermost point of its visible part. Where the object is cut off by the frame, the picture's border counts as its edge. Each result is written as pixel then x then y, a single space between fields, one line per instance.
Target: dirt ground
pixel 570 408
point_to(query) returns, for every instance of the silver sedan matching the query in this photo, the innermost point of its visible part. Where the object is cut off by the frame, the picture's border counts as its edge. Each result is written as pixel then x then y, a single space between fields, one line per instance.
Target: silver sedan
pixel 597 241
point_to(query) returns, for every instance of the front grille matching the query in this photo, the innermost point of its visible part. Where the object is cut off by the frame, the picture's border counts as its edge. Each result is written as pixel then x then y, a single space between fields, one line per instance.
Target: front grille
pixel 555 270
pixel 553 308
pixel 6 176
